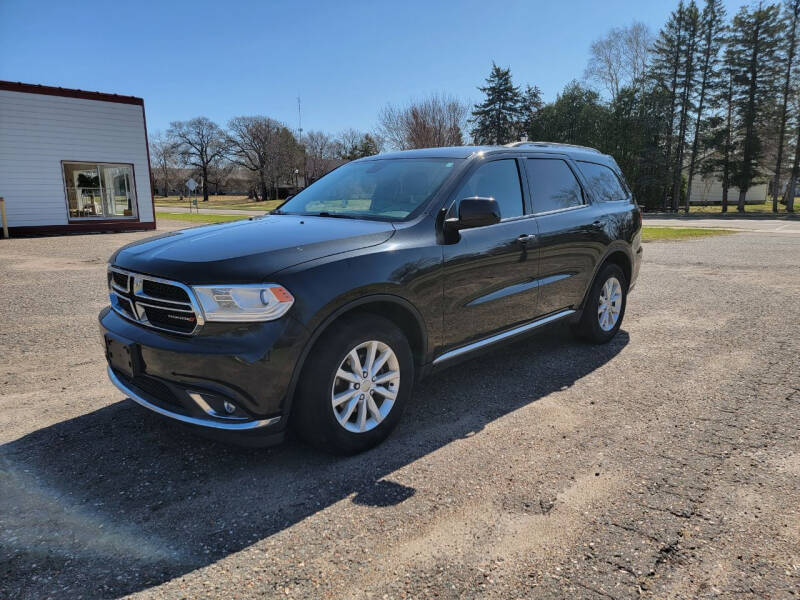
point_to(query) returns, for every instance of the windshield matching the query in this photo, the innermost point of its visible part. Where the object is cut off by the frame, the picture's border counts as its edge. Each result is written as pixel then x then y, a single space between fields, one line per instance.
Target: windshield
pixel 386 189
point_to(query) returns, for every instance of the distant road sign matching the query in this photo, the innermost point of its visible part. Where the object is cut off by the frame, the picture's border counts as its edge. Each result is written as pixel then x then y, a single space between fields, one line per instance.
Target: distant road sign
pixel 191 184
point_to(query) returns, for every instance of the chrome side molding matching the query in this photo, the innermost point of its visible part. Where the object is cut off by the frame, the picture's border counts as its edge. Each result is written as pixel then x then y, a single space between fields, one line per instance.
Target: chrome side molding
pixel 502 336
pixel 186 419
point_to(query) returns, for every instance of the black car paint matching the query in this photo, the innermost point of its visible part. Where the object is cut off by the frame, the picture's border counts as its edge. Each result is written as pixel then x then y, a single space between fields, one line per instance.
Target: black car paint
pixel 250 250
pixel 453 289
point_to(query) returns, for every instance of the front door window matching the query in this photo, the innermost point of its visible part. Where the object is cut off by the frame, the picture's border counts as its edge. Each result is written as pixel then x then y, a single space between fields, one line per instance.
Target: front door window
pixel 102 190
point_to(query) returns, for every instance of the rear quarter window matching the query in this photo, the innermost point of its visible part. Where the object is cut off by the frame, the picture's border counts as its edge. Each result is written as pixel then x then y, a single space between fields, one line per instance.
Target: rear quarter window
pixel 604 182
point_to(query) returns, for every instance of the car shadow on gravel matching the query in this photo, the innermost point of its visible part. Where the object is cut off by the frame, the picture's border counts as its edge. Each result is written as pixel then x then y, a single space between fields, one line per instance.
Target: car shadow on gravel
pixel 119 500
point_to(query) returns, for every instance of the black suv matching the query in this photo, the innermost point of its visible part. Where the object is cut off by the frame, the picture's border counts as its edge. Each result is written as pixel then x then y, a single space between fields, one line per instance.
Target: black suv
pixel 324 313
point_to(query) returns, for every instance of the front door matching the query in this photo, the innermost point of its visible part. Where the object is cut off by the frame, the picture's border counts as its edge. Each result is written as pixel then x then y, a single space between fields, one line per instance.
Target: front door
pixel 490 272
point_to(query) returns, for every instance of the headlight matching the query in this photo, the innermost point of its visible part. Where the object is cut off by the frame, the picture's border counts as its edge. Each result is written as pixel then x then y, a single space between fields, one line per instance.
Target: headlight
pixel 243 303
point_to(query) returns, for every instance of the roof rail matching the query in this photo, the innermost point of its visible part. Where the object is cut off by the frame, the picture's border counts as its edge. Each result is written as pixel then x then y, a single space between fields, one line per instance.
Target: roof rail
pixel 551 144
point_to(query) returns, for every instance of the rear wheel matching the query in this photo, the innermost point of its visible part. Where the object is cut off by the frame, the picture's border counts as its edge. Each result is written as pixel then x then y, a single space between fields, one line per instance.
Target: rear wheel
pixel 605 306
pixel 354 386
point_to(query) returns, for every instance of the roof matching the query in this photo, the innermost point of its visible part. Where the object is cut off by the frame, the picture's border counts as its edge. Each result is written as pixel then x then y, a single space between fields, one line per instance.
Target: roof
pixel 30 88
pixel 575 152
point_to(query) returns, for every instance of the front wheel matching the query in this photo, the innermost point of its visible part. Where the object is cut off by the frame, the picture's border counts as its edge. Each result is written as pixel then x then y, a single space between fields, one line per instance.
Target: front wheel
pixel 605 306
pixel 354 387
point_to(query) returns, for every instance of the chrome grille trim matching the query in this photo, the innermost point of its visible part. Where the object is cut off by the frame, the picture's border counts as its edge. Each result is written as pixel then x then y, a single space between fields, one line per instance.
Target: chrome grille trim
pixel 149 305
pixel 136 298
pixel 144 296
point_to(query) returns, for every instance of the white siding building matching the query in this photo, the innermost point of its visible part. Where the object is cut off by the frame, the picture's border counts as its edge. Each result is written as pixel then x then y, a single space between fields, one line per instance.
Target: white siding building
pixel 707 189
pixel 72 160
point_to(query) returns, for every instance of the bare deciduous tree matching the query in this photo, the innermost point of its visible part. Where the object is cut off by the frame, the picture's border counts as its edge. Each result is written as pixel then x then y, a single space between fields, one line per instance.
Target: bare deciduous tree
pixel 266 148
pixel 200 143
pixel 620 57
pixel 435 121
pixel 220 173
pixel 319 154
pixel 637 41
pixel 164 154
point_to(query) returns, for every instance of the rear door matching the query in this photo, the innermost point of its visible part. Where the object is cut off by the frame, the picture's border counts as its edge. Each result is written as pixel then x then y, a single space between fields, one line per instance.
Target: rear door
pixel 490 273
pixel 570 240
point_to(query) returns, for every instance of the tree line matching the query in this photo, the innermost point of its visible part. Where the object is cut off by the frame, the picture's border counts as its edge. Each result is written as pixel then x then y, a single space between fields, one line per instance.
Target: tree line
pixel 262 151
pixel 706 95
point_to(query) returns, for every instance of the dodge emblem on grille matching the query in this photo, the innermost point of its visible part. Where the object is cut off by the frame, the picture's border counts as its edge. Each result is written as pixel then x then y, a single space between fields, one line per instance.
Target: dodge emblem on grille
pixel 180 318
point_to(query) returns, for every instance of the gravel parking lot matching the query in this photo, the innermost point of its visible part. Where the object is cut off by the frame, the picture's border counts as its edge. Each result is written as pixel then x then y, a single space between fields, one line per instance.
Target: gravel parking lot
pixel 665 464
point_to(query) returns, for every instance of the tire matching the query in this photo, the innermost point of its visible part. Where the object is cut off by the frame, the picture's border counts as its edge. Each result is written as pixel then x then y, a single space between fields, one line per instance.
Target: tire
pixel 314 416
pixel 596 325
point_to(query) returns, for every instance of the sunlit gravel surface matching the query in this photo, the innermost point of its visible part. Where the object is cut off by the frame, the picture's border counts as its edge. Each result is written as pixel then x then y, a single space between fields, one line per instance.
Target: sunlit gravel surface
pixel 665 464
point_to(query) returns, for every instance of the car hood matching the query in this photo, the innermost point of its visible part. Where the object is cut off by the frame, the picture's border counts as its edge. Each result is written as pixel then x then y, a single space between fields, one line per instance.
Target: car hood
pixel 247 251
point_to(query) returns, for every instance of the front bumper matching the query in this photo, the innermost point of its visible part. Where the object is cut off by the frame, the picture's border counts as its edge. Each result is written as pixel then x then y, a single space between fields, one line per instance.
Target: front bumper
pixel 155 404
pixel 244 368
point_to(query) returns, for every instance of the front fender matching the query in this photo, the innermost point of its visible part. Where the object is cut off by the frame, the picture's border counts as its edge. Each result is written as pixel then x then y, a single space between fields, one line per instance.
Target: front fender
pixel 406 276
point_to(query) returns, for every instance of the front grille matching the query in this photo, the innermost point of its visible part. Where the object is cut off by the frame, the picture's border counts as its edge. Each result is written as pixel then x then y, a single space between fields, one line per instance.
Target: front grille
pixel 156 289
pixel 154 302
pixel 169 318
pixel 120 280
pixel 124 305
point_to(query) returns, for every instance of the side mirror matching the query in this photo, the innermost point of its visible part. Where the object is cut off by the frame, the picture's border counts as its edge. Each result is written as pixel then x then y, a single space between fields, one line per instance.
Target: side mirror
pixel 475 212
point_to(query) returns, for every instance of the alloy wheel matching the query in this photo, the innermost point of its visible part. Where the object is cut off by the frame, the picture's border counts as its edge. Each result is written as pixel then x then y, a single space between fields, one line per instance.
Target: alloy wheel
pixel 365 386
pixel 610 304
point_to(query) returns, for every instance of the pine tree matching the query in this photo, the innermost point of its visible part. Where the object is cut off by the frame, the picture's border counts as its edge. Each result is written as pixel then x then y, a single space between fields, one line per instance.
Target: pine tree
pixel 728 147
pixel 634 133
pixel 687 65
pixel 664 72
pixel 712 26
pixel 788 198
pixel 531 105
pixel 497 119
pixel 576 117
pixel 791 17
pixel 754 45
pixel 720 136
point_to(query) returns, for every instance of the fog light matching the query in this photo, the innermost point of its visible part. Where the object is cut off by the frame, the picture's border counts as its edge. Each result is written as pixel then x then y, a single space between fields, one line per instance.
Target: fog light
pixel 229 408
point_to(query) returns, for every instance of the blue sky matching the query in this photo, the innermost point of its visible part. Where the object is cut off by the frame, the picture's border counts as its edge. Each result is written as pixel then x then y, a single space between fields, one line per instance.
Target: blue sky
pixel 344 59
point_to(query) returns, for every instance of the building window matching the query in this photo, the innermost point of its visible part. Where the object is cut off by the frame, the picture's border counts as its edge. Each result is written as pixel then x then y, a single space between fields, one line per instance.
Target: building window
pixel 99 190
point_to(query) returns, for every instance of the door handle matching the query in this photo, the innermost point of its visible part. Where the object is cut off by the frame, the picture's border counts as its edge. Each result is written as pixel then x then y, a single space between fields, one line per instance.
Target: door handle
pixel 527 237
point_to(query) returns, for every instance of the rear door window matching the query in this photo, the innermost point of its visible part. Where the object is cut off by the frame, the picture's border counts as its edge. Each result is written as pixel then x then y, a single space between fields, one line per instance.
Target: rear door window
pixel 605 184
pixel 553 185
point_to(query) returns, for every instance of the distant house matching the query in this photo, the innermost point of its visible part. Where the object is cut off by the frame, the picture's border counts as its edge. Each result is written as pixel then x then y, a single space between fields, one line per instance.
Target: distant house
pixel 707 189
pixel 73 161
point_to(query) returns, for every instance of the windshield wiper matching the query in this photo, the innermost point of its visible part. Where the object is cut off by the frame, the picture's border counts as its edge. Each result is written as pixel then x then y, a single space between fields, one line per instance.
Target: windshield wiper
pixel 333 215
